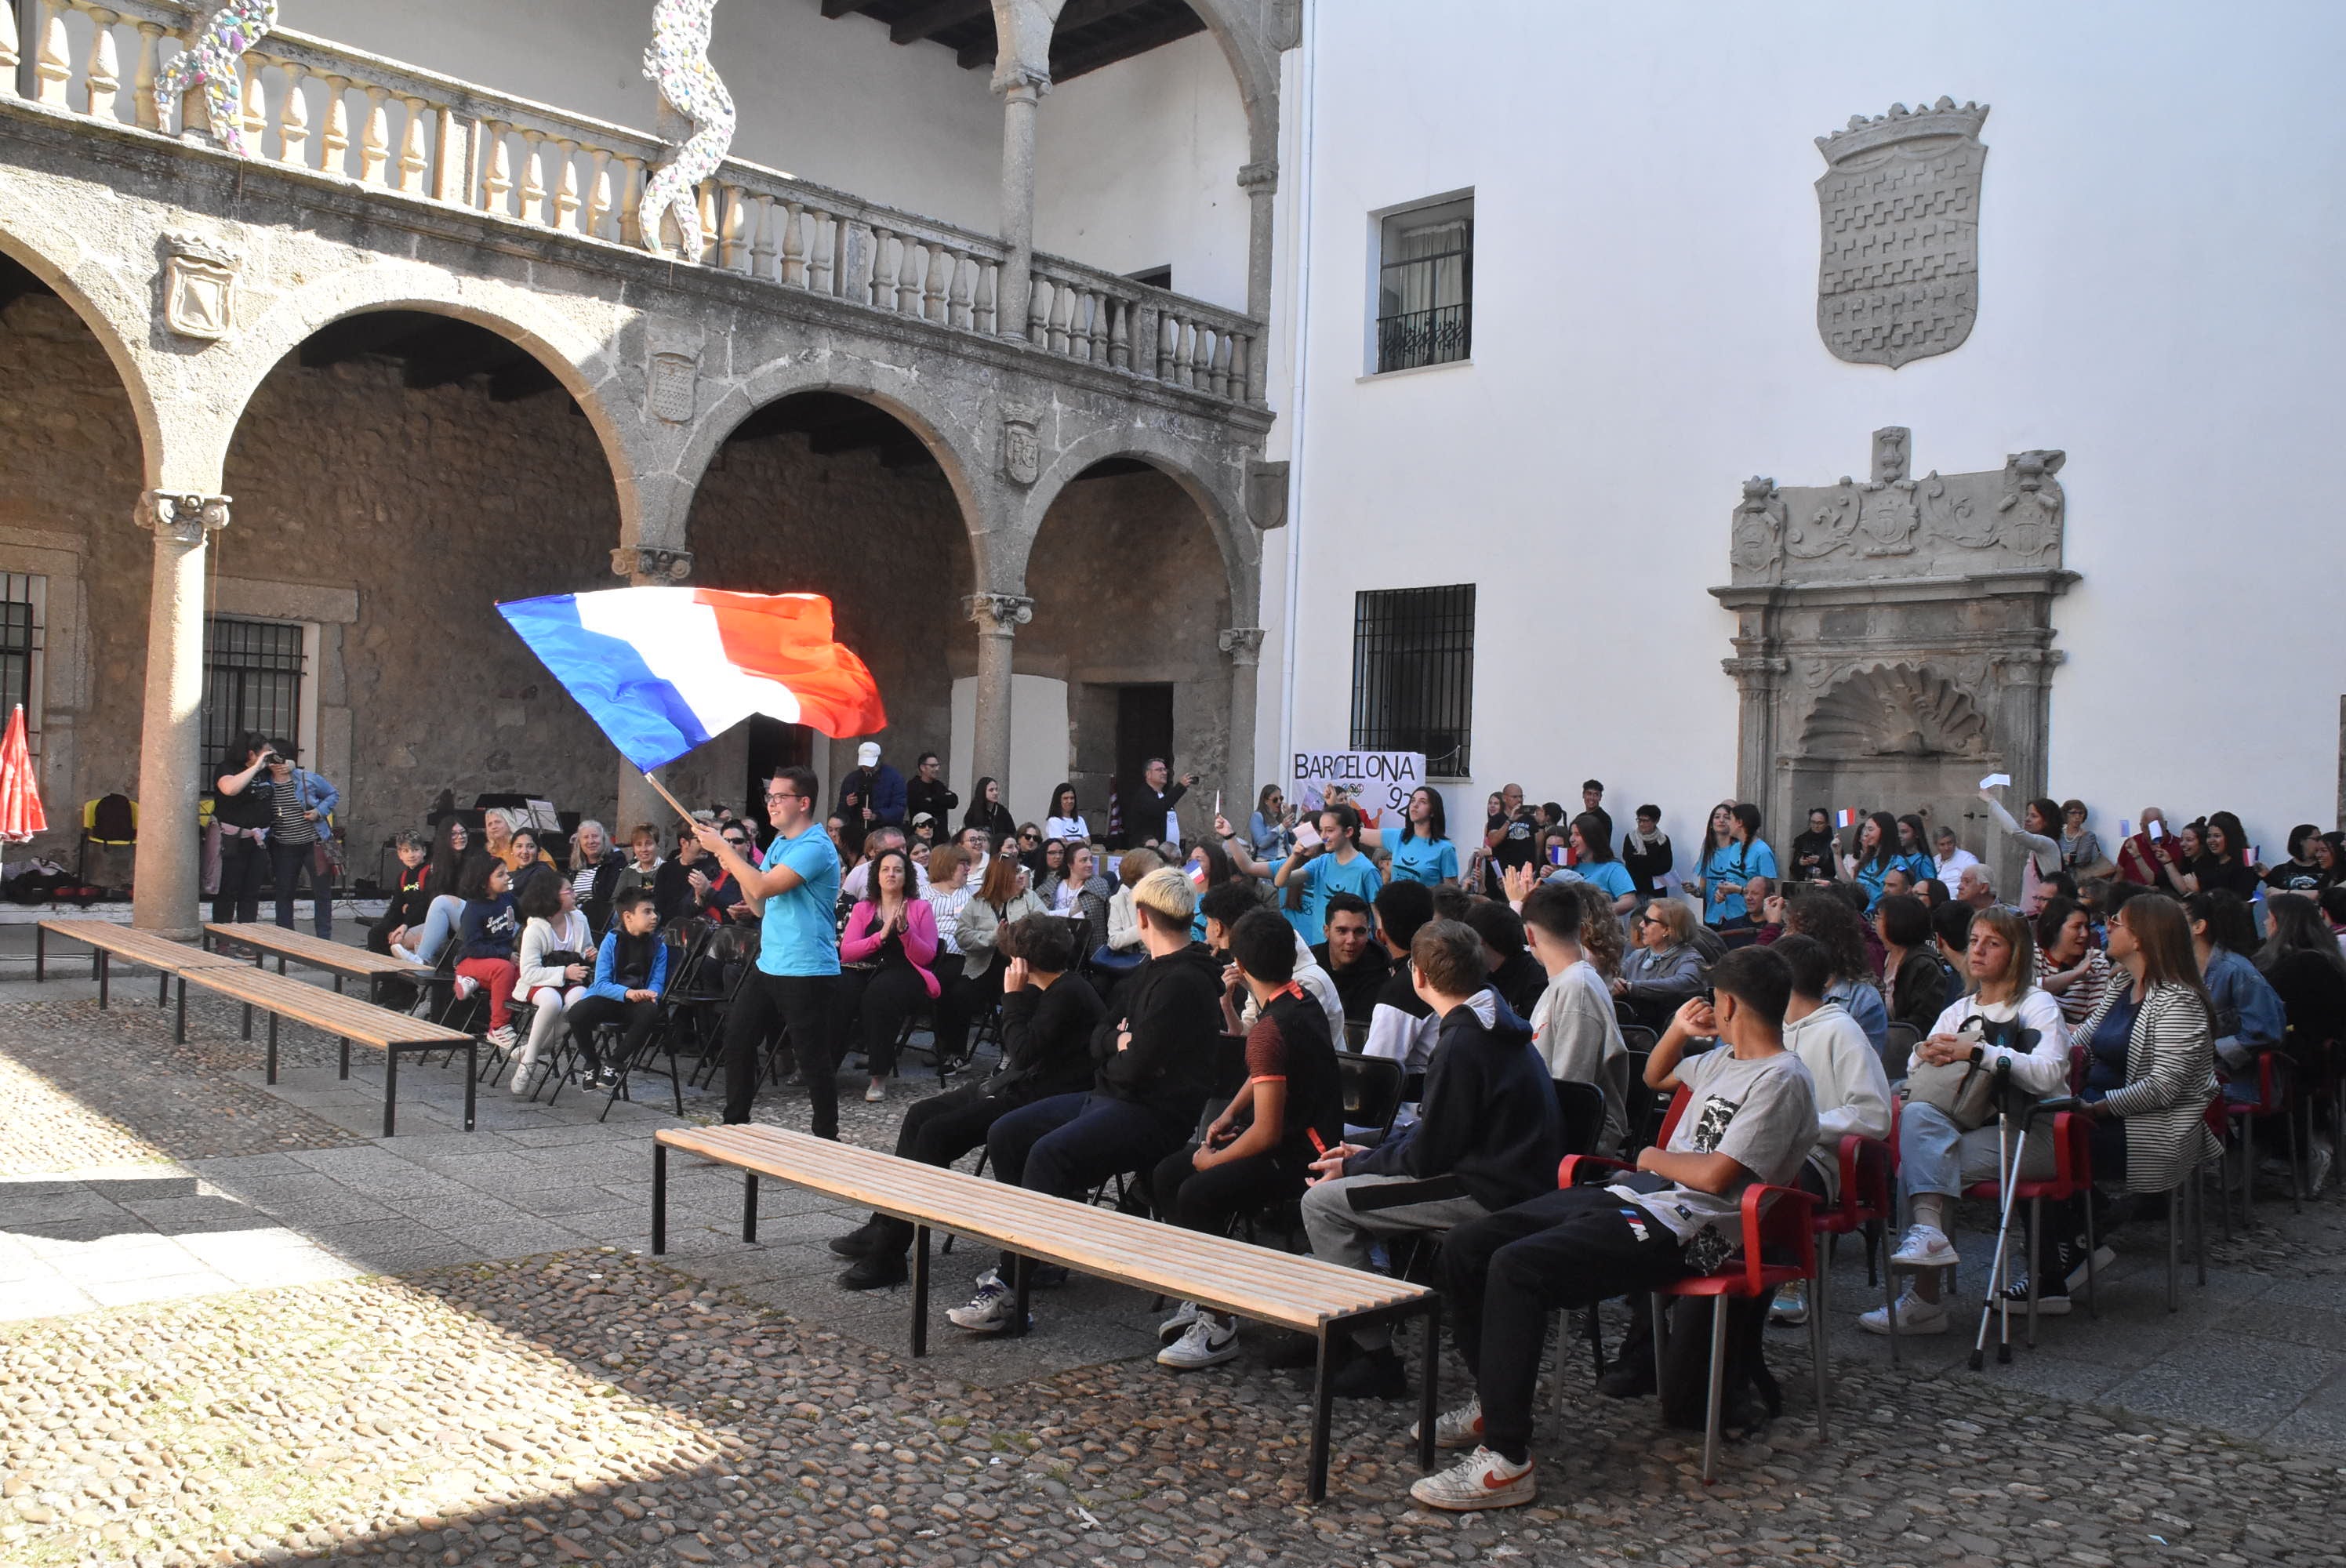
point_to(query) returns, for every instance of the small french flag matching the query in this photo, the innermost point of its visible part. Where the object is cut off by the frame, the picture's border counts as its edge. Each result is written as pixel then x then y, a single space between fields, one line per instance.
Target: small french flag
pixel 1845 819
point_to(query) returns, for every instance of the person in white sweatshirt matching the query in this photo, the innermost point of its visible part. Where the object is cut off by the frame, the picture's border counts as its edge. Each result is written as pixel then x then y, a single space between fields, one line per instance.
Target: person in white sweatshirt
pixel 1574 1027
pixel 556 961
pixel 1852 1091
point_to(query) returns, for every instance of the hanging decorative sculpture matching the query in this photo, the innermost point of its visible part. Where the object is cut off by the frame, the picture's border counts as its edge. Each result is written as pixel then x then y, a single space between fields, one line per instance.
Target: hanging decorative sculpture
pixel 677 63
pixel 211 62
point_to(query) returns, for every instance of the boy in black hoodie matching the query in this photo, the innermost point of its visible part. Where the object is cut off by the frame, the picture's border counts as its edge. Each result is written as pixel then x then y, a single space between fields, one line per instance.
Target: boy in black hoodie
pixel 1486 1137
pixel 1155 1054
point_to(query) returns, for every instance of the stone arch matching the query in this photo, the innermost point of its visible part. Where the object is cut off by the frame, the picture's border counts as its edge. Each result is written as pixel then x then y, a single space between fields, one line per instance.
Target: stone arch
pixel 111 322
pixel 580 360
pixel 1254 61
pixel 1216 491
pixel 896 390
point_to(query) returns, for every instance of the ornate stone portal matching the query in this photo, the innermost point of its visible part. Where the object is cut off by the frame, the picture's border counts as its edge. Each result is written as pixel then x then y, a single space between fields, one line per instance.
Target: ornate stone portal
pixel 1894 638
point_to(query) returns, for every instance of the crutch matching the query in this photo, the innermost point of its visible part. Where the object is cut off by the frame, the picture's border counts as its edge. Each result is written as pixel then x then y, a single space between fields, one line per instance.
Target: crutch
pixel 2008 1173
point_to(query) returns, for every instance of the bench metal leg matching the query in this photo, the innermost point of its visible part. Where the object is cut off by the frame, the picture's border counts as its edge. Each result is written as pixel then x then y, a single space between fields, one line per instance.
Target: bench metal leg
pixel 40 953
pixel 750 1207
pixel 659 1198
pixel 390 1089
pixel 245 1032
pixel 179 1019
pixel 272 1057
pixel 1428 1399
pixel 920 1291
pixel 472 1075
pixel 346 1058
pixel 1022 1283
pixel 163 997
pixel 105 975
pixel 1323 1397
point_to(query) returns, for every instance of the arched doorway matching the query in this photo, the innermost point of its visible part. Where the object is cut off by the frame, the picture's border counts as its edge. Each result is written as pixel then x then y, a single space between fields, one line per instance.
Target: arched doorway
pixel 828 492
pixel 395 475
pixel 1131 595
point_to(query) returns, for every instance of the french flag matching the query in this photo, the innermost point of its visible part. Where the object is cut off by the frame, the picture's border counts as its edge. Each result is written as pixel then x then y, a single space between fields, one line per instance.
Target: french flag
pixel 663 670
pixel 1845 819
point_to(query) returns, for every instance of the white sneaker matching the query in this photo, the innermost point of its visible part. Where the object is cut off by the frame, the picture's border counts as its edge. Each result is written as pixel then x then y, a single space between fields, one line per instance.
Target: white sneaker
pixel 2103 1257
pixel 1915 1315
pixel 990 1310
pixel 1210 1340
pixel 502 1037
pixel 1461 1428
pixel 1176 1325
pixel 403 954
pixel 1924 1247
pixel 465 986
pixel 1481 1479
pixel 1791 1304
pixel 520 1084
pixel 875 1091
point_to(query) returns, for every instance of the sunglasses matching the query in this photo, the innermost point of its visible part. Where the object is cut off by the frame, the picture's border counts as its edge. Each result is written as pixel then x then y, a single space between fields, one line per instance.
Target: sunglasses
pixel 1028 838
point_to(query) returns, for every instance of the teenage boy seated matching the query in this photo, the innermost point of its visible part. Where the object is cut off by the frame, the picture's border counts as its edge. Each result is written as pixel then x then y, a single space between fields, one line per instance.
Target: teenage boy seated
pixel 1401 1027
pixel 631 968
pixel 1155 1051
pixel 1047 1021
pixel 1485 1137
pixel 1259 1150
pixel 1752 1118
pixel 1352 956
pixel 1574 1027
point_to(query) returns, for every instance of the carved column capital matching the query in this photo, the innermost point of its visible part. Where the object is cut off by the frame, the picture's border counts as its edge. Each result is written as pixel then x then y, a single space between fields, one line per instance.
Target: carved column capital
pixel 650 561
pixel 999 615
pixel 1243 644
pixel 1023 82
pixel 183 519
pixel 1756 674
pixel 1262 174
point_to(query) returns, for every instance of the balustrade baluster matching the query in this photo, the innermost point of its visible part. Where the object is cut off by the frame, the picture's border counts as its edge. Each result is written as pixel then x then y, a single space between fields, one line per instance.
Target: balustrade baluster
pixel 958 291
pixel 706 196
pixel 1120 336
pixel 293 119
pixel 1102 304
pixel 142 75
pixel 1168 345
pixel 940 281
pixel 53 66
pixel 1063 305
pixel 336 138
pixel 532 177
pixel 1038 311
pixel 794 246
pixel 253 96
pixel 631 203
pixel 1200 354
pixel 374 143
pixel 1221 364
pixel 104 84
pixel 567 199
pixel 1241 367
pixel 497 181
pixel 598 194
pixel 884 277
pixel 981 316
pixel 732 252
pixel 765 254
pixel 909 271
pixel 11 51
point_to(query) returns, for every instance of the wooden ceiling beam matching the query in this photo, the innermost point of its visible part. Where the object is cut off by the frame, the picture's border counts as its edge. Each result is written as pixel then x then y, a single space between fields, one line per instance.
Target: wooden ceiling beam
pixel 1091 55
pixel 834 9
pixel 935 18
pixel 1066 39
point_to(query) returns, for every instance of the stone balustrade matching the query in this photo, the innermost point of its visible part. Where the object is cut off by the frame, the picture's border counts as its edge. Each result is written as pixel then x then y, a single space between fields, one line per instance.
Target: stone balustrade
pixel 414 135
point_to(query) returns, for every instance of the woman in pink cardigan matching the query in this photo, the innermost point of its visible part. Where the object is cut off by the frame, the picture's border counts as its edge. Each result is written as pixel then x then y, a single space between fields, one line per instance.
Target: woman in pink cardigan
pixel 885 956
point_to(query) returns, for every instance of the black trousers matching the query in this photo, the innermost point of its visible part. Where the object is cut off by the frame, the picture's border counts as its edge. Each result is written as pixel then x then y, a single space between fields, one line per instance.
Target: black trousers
pixel 802 1004
pixel 1209 1199
pixel 871 1006
pixel 938 1131
pixel 244 870
pixel 952 1012
pixel 590 1012
pixel 1503 1274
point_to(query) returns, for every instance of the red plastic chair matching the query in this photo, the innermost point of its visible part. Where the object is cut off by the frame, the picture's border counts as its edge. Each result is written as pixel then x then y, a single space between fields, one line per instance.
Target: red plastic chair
pixel 2073 1176
pixel 1868 1169
pixel 1573 1170
pixel 1781 1219
pixel 2273 1099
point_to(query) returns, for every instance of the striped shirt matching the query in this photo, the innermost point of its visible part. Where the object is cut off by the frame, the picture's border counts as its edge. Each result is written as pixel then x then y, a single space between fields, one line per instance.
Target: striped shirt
pixel 291 827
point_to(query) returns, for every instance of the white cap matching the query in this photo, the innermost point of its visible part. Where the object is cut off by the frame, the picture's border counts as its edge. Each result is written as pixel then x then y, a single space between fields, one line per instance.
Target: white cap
pixel 868 753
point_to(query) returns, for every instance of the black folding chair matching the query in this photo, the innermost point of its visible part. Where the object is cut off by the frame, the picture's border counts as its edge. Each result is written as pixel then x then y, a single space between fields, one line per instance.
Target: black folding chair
pixel 1372 1092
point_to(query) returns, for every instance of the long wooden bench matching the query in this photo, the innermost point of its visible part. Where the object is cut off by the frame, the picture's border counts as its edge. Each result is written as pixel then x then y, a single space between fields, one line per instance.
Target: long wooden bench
pixel 342 962
pixel 1299 1293
pixel 108 941
pixel 393 1034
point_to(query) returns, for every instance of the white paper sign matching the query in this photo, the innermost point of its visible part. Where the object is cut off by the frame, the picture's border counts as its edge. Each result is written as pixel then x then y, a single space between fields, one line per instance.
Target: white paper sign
pixel 1376 782
pixel 1996 780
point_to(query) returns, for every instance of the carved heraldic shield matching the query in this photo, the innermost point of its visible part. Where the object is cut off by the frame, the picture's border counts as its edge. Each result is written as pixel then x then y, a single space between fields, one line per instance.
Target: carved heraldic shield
pixel 1897 276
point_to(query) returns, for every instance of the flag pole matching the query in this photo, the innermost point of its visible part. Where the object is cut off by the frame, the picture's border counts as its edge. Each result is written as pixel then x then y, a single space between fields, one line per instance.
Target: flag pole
pixel 671 800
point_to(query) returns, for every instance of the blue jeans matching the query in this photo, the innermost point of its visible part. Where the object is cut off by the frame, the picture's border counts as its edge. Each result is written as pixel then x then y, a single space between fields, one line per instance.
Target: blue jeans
pixel 1936 1156
pixel 292 862
pixel 439 925
pixel 1069 1143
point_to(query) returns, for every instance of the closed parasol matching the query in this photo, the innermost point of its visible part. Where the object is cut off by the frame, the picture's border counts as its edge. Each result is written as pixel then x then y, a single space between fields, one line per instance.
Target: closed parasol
pixel 21 816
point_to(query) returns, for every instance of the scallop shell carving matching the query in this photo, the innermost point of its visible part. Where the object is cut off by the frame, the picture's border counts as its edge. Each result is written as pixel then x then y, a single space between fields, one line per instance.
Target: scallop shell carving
pixel 1896 710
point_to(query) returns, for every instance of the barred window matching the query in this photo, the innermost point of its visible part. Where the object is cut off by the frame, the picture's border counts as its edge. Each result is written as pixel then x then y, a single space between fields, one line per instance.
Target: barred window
pixel 1413 675
pixel 1425 286
pixel 23 599
pixel 252 681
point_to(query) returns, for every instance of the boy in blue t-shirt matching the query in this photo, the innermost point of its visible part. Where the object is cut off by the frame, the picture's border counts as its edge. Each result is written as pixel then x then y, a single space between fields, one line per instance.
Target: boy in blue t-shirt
pixel 1336 866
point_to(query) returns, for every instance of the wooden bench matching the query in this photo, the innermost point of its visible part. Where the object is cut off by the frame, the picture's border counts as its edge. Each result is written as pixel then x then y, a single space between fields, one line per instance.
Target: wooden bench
pixel 108 941
pixel 1300 1293
pixel 342 962
pixel 393 1034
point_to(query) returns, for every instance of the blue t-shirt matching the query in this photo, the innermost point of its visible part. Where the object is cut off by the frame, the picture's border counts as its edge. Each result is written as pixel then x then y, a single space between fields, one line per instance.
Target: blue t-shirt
pixel 1326 875
pixel 799 931
pixel 1737 863
pixel 1432 861
pixel 1611 875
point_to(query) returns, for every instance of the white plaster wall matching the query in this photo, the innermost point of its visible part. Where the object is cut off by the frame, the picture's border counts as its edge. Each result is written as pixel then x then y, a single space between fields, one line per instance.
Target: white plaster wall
pixel 2158 298
pixel 1038 741
pixel 1136 166
pixel 831 101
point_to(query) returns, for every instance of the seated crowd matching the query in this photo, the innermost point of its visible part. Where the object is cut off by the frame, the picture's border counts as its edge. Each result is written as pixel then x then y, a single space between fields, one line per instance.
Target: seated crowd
pixel 1180 1016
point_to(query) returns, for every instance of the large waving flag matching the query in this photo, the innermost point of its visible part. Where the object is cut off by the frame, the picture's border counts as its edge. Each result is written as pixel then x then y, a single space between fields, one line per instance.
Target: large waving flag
pixel 662 670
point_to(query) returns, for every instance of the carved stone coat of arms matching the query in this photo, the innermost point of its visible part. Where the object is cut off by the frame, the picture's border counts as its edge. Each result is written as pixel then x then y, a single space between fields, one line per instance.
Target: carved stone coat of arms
pixel 1897 276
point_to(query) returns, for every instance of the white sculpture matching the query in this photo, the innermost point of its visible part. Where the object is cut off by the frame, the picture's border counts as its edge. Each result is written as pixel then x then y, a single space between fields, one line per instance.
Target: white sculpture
pixel 209 62
pixel 677 63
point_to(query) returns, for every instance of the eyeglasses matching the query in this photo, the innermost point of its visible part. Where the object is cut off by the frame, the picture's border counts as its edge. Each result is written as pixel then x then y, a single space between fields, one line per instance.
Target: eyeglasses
pixel 785 795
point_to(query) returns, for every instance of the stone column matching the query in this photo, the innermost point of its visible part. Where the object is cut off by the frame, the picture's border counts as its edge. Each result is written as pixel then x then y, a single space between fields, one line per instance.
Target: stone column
pixel 1757 677
pixel 1259 180
pixel 1022 91
pixel 645 566
pixel 998 618
pixel 168 867
pixel 1244 645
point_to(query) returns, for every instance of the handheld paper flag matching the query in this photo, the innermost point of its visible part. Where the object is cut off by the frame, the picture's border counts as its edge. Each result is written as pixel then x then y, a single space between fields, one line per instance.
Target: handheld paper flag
pixel 1845 819
pixel 662 670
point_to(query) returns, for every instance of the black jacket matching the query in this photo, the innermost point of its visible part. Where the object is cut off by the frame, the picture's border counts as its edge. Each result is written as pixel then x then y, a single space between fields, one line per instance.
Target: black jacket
pixel 596 905
pixel 1488 1118
pixel 1142 810
pixel 1922 987
pixel 996 819
pixel 1814 859
pixel 935 799
pixel 1047 1041
pixel 1646 868
pixel 1357 987
pixel 1315 1090
pixel 1173 1005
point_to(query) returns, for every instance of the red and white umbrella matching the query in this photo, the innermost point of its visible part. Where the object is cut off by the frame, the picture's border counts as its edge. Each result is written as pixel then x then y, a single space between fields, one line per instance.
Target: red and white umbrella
pixel 21 816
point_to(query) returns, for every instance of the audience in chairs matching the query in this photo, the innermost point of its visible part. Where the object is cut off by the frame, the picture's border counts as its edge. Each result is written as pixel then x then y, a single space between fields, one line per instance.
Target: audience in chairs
pixel 556 964
pixel 630 973
pixel 1573 1024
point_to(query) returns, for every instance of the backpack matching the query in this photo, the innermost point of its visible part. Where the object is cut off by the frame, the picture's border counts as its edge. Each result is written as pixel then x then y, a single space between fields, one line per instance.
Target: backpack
pixel 1682 1373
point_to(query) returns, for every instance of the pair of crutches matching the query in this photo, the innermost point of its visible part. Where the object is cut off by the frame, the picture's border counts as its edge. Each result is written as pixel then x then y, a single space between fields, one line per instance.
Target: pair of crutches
pixel 2009 1151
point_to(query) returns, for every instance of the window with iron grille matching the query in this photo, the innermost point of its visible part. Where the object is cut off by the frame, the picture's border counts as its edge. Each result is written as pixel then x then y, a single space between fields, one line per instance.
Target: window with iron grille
pixel 1425 286
pixel 1414 674
pixel 22 599
pixel 252 681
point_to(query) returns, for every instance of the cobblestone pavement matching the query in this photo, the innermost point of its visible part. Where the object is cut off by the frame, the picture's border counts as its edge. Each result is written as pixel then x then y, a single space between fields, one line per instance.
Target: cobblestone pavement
pixel 486 1368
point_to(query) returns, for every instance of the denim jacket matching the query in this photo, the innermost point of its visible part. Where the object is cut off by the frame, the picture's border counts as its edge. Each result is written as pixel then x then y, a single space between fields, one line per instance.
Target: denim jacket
pixel 315 795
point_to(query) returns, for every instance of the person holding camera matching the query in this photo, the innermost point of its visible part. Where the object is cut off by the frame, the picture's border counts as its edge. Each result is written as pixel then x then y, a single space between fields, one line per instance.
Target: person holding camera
pixel 243 812
pixel 303 804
